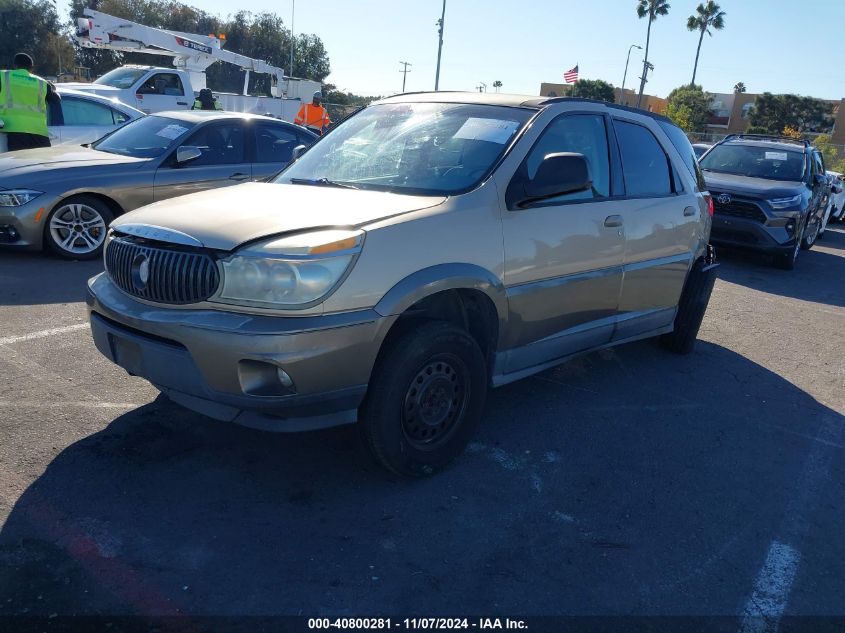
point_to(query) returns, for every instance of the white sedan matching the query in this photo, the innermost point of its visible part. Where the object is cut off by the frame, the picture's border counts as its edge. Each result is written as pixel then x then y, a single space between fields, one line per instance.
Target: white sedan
pixel 84 118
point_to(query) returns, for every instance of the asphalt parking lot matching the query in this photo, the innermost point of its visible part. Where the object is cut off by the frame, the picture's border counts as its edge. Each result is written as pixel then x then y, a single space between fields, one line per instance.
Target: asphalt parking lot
pixel 631 481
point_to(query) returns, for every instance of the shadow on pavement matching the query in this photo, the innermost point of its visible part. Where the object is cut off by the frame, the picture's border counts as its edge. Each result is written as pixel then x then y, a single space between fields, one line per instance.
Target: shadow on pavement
pixel 808 282
pixel 629 481
pixel 67 279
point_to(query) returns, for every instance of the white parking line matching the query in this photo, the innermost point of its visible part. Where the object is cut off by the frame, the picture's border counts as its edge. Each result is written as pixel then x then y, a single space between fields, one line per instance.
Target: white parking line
pixel 766 605
pixel 34 404
pixel 43 333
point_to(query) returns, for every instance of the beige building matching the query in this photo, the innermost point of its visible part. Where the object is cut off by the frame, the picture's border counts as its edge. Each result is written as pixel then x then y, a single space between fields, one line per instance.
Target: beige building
pixel 650 102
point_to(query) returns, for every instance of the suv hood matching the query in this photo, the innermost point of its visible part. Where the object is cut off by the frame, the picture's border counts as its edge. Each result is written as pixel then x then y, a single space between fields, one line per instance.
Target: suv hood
pixel 223 219
pixel 97 89
pixel 752 187
pixel 38 161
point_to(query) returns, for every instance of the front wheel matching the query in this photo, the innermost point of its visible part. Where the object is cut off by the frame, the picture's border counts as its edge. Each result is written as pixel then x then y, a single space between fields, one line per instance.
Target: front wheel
pixel 76 228
pixel 811 233
pixel 425 398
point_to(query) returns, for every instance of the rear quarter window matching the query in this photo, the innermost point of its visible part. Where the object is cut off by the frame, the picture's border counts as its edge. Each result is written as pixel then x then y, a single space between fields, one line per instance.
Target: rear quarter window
pixel 685 149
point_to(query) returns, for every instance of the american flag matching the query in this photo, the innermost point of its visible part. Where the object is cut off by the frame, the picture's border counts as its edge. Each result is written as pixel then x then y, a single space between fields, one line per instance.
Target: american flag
pixel 571 76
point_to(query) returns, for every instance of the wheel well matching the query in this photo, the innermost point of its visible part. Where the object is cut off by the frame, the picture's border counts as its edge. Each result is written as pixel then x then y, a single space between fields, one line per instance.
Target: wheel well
pixel 469 309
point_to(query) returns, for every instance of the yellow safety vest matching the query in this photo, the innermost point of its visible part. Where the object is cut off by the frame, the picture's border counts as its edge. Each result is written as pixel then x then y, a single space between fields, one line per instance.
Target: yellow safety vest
pixel 23 107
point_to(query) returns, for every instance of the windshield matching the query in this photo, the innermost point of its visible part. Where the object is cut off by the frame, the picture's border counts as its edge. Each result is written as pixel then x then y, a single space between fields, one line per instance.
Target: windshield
pixel 755 161
pixel 147 137
pixel 412 148
pixel 121 77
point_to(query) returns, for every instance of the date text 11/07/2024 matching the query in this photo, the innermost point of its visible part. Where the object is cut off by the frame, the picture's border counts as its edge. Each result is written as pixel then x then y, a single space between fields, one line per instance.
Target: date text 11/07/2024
pixel 434 624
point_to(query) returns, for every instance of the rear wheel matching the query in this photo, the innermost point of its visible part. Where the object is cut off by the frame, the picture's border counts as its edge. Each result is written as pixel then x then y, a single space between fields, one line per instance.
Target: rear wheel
pixel 76 228
pixel 691 309
pixel 811 233
pixel 425 399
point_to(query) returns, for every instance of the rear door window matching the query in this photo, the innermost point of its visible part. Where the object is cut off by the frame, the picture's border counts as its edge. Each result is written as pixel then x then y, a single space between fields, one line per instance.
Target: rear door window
pixel 274 144
pixel 644 163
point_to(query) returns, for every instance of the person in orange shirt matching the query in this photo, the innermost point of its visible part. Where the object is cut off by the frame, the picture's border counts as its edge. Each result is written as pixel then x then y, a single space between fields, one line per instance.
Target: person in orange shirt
pixel 313 114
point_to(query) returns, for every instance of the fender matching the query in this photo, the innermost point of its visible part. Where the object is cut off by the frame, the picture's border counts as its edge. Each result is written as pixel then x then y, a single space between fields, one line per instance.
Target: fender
pixel 434 279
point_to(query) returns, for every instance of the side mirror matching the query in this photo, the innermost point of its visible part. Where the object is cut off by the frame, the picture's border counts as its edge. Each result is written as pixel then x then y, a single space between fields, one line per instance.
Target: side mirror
pixel 820 179
pixel 187 153
pixel 558 174
pixel 298 151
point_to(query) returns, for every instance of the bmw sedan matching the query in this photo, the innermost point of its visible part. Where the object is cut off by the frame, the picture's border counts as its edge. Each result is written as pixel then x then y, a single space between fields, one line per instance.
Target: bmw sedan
pixel 64 197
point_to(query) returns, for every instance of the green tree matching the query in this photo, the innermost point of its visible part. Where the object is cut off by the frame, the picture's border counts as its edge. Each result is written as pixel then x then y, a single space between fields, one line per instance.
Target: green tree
pixel 689 108
pixel 772 114
pixel 593 89
pixel 30 26
pixel 497 85
pixel 650 9
pixel 739 87
pixel 708 15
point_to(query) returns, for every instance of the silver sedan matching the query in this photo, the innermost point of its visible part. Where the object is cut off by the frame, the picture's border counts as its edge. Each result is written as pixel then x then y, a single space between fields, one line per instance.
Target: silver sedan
pixel 64 197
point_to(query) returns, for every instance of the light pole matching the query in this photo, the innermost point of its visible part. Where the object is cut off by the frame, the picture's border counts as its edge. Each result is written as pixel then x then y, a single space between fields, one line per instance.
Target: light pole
pixel 440 24
pixel 625 76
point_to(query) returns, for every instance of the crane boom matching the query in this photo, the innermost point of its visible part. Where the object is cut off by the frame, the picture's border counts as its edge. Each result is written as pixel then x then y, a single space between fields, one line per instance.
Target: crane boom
pixel 192 53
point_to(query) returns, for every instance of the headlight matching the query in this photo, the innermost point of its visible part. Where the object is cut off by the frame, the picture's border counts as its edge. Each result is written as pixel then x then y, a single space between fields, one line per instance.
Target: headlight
pixel 17 197
pixel 785 203
pixel 289 272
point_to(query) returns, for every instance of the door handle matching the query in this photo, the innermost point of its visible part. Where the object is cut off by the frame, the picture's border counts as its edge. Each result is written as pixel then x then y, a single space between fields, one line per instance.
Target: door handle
pixel 239 176
pixel 689 211
pixel 613 221
pixel 184 103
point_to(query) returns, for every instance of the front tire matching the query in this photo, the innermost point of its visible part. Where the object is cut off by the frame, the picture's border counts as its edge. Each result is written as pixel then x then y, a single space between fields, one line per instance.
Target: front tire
pixel 811 234
pixel 425 399
pixel 76 228
pixel 691 308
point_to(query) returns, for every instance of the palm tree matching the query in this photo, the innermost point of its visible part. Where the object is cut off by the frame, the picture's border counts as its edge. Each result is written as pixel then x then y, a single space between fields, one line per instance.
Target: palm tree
pixel 497 84
pixel 708 15
pixel 739 87
pixel 650 9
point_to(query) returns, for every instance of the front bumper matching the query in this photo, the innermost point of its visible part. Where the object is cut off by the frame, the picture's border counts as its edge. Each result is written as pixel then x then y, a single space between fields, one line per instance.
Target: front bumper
pixel 224 364
pixel 750 234
pixel 23 226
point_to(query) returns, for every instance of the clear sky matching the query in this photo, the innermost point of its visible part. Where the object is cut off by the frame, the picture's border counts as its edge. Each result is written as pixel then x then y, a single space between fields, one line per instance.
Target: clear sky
pixel 771 45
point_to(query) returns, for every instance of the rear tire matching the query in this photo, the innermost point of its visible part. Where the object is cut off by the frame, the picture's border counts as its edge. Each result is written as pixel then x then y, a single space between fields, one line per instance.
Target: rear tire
pixel 425 399
pixel 691 309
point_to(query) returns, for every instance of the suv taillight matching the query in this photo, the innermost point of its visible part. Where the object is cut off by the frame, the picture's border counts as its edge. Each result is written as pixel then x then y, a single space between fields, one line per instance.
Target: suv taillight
pixel 709 203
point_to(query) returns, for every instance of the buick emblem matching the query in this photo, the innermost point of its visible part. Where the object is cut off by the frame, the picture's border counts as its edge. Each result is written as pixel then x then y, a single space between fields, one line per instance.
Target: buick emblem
pixel 723 199
pixel 140 271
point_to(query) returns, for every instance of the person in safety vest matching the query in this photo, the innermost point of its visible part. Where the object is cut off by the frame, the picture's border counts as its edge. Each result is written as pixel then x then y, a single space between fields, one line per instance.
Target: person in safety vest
pixel 206 101
pixel 24 100
pixel 313 114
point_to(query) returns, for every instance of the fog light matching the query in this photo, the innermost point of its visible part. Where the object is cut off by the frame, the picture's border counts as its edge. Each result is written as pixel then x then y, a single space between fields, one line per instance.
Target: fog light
pixel 790 227
pixel 284 378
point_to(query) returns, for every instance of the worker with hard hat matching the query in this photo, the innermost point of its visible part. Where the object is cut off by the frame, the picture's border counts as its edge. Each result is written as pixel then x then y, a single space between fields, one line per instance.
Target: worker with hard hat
pixel 24 98
pixel 206 101
pixel 313 114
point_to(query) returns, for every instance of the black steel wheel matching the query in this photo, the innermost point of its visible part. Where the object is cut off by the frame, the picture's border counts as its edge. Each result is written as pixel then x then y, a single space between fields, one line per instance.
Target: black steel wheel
pixel 425 398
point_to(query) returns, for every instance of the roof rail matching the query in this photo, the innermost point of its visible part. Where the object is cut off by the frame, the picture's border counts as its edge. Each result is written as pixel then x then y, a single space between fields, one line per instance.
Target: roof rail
pixel 778 138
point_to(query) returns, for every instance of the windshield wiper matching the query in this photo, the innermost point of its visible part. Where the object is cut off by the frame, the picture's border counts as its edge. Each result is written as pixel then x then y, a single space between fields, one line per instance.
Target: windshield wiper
pixel 323 182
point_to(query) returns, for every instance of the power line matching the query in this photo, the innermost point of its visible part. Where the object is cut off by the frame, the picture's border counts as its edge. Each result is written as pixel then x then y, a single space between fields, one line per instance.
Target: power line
pixel 404 72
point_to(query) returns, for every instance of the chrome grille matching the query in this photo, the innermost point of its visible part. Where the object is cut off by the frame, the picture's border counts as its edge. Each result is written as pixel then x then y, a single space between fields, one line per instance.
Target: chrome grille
pixel 163 275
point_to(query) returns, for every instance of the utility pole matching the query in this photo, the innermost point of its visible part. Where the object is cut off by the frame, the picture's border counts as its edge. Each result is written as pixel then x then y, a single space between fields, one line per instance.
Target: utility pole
pixel 481 87
pixel 440 24
pixel 644 80
pixel 292 41
pixel 404 72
